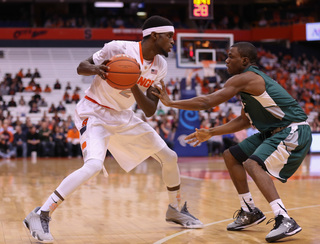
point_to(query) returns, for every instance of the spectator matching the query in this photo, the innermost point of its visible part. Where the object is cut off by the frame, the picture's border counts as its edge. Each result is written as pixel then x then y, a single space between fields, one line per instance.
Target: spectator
pixel 61 108
pixel 73 142
pixel 12 90
pixel 46 141
pixel 34 108
pixel 20 142
pixel 20 73
pixel 66 97
pixel 57 85
pixel 26 127
pixel 68 87
pixel 215 143
pixel 175 93
pixel 166 132
pixel 6 140
pixel 12 103
pixel 75 97
pixel 36 97
pixel 52 109
pixel 36 74
pixel 37 88
pixel 56 118
pixel 22 102
pixel 33 141
pixel 4 106
pixel 2 117
pixel 42 103
pixel 30 87
pixel 59 139
pixel 47 89
pixel 160 111
pixel 28 74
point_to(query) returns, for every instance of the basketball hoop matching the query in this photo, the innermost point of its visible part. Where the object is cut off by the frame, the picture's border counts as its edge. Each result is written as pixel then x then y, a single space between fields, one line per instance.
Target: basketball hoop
pixel 208 67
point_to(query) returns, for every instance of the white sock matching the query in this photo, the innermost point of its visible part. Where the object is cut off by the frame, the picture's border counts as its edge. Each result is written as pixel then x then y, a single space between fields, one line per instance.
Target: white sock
pixel 278 208
pixel 246 202
pixel 51 204
pixel 175 199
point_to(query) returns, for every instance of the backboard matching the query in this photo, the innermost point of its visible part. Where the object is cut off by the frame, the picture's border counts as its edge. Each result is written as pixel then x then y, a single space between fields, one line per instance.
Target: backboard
pixel 193 48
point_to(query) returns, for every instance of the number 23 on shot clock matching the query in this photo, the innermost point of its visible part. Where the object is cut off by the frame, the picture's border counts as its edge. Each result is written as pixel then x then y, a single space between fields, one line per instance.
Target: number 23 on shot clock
pixel 201 9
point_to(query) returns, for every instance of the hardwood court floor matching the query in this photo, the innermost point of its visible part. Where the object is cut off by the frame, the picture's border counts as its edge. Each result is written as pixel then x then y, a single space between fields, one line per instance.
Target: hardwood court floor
pixel 131 207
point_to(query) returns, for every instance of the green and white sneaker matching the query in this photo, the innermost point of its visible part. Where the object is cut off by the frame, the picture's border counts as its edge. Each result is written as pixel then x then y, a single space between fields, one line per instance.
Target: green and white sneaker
pixel 244 219
pixel 282 228
pixel 38 225
pixel 183 218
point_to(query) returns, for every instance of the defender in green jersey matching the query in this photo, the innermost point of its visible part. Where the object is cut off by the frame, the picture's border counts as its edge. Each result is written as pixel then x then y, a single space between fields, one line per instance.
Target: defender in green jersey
pixel 279 148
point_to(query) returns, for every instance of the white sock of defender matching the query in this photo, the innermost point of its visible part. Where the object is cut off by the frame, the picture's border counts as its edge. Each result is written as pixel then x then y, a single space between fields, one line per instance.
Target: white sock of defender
pixel 246 202
pixel 278 208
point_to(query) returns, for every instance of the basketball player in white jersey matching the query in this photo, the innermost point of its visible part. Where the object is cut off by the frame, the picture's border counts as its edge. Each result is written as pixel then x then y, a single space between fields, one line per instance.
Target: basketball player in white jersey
pixel 106 121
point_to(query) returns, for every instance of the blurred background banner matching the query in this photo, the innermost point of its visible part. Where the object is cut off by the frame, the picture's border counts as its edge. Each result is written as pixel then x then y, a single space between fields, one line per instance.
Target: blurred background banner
pixel 188 122
pixel 296 32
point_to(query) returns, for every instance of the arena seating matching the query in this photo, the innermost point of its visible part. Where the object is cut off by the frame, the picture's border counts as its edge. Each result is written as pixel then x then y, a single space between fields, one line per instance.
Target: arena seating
pixel 60 64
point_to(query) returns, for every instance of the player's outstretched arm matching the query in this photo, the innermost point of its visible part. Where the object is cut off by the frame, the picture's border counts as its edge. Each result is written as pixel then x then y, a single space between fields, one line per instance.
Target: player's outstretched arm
pixel 201 102
pixel 201 135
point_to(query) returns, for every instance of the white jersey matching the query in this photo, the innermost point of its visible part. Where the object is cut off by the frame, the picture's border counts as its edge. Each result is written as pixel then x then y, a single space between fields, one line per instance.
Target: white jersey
pixel 151 73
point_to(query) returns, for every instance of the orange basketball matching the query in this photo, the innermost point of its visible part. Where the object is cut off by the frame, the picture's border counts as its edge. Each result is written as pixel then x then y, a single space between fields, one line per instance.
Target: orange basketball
pixel 123 72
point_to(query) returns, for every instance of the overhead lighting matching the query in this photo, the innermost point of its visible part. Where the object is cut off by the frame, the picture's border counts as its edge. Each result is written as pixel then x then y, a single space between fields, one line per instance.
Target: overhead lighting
pixel 108 4
pixel 141 14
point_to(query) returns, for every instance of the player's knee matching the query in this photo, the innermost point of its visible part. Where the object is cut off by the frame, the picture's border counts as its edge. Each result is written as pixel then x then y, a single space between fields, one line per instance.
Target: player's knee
pixel 229 159
pixel 173 156
pixel 251 166
pixel 227 156
pixel 93 166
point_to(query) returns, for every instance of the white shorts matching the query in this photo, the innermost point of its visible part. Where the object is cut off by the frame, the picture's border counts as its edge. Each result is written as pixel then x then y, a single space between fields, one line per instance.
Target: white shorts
pixel 129 139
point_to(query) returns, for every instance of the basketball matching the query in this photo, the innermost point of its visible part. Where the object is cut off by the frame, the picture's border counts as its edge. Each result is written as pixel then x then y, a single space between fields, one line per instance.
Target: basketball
pixel 123 72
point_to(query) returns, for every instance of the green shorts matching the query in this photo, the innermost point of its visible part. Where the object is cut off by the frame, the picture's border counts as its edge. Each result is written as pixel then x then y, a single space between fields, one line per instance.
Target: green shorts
pixel 281 154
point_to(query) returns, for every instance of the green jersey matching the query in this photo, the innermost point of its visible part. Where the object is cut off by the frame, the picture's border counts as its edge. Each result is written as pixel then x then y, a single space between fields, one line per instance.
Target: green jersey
pixel 273 108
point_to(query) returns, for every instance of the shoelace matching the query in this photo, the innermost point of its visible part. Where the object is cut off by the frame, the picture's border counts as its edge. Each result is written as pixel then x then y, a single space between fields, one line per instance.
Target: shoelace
pixel 237 213
pixel 185 210
pixel 278 221
pixel 45 223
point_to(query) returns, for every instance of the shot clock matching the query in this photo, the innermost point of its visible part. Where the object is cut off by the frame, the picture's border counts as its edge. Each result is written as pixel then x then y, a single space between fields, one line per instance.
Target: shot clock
pixel 201 9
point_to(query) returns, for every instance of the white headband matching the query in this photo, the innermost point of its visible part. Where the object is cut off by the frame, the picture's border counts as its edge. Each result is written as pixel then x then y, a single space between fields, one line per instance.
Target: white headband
pixel 159 29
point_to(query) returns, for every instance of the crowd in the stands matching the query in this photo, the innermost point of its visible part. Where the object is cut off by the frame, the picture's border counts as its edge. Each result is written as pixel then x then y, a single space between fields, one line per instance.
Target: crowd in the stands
pixel 55 135
pixel 226 16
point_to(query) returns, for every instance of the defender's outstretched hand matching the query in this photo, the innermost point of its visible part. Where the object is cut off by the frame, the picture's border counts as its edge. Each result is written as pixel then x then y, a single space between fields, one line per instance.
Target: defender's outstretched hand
pixel 163 95
pixel 200 135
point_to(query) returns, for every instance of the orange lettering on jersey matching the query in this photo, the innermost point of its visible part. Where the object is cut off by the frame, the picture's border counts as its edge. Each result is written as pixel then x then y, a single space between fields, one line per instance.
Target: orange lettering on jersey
pixel 141 81
pixel 144 82
pixel 148 83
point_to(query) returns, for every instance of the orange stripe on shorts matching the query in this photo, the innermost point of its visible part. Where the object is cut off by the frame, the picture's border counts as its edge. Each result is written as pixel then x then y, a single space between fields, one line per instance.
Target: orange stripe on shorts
pixel 84 145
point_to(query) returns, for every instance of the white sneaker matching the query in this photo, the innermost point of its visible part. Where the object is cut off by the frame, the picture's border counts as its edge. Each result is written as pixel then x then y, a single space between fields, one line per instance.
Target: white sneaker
pixel 38 225
pixel 183 217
